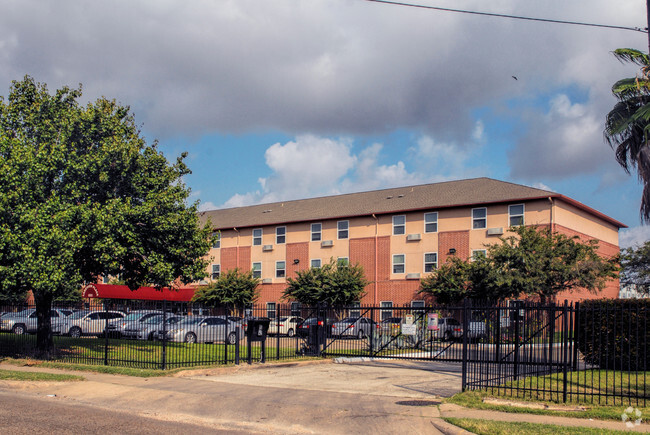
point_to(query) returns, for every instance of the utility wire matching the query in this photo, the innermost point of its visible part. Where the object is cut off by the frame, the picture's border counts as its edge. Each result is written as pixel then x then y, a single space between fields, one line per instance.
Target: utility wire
pixel 516 17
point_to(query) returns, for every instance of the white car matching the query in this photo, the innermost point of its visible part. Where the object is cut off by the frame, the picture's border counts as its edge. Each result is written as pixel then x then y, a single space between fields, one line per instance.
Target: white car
pixel 88 322
pixel 285 325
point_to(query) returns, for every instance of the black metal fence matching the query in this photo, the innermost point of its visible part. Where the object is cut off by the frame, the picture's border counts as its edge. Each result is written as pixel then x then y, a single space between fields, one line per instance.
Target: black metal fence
pixel 562 353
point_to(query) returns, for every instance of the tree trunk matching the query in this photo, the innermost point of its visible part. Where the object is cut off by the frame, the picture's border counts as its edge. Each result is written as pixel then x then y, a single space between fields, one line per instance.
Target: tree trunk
pixel 44 341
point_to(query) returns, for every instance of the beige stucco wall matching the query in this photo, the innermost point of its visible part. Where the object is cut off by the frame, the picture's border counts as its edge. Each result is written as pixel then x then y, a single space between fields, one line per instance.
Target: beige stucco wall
pixel 572 217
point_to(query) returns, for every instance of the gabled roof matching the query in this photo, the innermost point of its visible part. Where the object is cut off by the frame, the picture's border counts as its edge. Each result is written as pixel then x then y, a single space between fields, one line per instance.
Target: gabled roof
pixel 461 193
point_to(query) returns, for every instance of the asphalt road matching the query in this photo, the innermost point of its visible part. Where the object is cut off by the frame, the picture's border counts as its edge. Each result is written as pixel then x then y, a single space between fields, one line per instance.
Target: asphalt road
pixel 34 415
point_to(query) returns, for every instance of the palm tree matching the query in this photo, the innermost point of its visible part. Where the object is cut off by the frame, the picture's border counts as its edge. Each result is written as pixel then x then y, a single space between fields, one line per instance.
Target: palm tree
pixel 627 127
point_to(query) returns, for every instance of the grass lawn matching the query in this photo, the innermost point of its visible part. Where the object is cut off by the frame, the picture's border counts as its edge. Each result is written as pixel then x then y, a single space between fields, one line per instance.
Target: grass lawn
pixel 583 389
pixel 486 427
pixel 16 375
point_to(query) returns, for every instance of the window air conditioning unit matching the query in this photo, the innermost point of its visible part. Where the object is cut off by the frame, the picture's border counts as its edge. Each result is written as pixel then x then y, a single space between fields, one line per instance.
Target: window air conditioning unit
pixel 267 281
pixel 412 276
pixel 203 282
pixel 326 243
pixel 494 231
pixel 267 248
pixel 413 237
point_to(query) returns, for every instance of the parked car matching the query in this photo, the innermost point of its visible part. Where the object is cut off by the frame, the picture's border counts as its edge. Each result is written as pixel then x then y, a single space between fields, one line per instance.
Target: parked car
pixel 88 322
pixel 285 325
pixel 148 328
pixel 359 327
pixel 196 329
pixel 26 321
pixel 309 323
pixel 116 328
pixel 391 326
pixel 476 330
pixel 449 329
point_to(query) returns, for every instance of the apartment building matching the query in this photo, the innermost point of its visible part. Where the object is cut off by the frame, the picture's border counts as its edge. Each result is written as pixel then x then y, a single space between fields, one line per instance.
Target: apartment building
pixel 398 235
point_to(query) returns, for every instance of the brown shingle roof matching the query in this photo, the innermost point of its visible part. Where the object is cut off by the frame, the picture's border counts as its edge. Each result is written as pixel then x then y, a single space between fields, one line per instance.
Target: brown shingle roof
pixel 387 201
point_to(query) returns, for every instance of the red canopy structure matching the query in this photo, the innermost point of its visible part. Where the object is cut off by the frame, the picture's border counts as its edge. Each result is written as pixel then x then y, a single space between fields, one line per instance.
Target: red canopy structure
pixel 113 291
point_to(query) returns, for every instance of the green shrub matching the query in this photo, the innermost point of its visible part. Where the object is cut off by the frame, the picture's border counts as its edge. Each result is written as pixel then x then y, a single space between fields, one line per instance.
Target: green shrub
pixel 613 333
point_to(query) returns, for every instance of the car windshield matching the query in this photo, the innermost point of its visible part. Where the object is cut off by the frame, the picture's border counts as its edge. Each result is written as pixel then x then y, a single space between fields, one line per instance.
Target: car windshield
pixel 152 319
pixel 350 320
pixel 191 320
pixel 134 316
pixel 78 315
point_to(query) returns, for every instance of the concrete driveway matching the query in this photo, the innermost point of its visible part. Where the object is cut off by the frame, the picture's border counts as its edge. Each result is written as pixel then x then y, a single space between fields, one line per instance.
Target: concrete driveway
pixel 323 397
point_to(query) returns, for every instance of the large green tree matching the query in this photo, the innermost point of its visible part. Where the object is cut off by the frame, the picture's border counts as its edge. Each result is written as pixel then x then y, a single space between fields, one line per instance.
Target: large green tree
pixel 635 267
pixel 627 125
pixel 234 289
pixel 335 283
pixel 531 261
pixel 83 195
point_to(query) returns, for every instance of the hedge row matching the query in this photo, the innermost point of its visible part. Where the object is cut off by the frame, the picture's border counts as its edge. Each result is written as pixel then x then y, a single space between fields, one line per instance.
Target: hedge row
pixel 613 334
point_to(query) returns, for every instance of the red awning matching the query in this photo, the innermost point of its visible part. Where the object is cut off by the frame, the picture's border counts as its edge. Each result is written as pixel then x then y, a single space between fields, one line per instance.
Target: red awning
pixel 113 291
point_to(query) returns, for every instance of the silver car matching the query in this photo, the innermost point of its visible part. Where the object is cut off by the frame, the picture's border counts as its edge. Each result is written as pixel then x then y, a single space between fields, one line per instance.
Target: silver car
pixel 148 328
pixel 26 321
pixel 197 329
pixel 132 320
pixel 88 322
pixel 359 327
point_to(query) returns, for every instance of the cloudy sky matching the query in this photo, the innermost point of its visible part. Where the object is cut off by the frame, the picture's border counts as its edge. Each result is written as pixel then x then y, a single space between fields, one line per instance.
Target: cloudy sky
pixel 285 99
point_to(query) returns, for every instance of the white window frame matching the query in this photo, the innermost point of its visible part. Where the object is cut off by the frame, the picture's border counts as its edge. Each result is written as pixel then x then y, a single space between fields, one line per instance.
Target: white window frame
pixel 435 263
pixel 257 240
pixel 316 235
pixel 476 251
pixel 296 308
pixel 311 263
pixel 216 267
pixel 280 238
pixel 280 272
pixel 217 243
pixel 434 221
pixel 257 273
pixel 270 310
pixel 386 309
pixel 343 261
pixel 345 230
pixel 479 219
pixel 417 306
pixel 511 215
pixel 397 227
pixel 403 263
pixel 356 309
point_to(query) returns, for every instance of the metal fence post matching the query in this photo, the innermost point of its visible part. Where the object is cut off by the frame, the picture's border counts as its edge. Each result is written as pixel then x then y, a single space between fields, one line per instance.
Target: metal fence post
pixel 105 335
pixel 277 334
pixel 515 367
pixel 164 341
pixel 565 344
pixel 465 326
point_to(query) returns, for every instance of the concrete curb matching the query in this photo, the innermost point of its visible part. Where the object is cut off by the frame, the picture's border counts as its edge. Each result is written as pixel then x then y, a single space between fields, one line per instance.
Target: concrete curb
pixel 448 428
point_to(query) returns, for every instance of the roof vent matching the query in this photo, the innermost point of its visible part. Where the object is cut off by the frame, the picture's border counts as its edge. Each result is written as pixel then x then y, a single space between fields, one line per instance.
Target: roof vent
pixel 389 197
pixel 495 231
pixel 326 243
pixel 412 276
pixel 413 237
pixel 267 248
pixel 400 196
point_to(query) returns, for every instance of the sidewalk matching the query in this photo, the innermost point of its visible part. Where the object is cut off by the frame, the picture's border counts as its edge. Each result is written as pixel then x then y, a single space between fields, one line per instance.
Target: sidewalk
pixel 300 398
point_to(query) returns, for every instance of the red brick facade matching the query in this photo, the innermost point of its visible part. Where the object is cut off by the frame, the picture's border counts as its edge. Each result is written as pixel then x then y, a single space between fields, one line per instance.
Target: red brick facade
pixel 458 240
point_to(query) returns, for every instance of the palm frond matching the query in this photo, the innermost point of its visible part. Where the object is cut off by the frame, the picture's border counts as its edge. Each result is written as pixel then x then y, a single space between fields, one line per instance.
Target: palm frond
pixel 632 55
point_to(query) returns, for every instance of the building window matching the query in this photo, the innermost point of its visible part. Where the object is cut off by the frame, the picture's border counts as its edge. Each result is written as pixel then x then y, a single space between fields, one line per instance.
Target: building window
pixel 431 222
pixel 398 263
pixel 315 263
pixel 399 225
pixel 479 218
pixel 343 261
pixel 516 214
pixel 257 270
pixel 216 240
pixel 430 262
pixel 216 271
pixel 257 236
pixel 105 279
pixel 355 310
pixel 343 229
pixel 280 269
pixel 386 309
pixel 316 230
pixel 280 235
pixel 416 308
pixel 478 253
pixel 295 308
pixel 270 310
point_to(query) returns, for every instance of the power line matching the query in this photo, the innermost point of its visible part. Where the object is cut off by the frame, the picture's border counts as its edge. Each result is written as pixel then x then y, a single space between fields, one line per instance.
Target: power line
pixel 515 17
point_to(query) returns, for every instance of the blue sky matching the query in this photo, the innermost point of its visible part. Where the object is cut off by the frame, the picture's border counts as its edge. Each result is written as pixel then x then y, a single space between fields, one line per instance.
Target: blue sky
pixel 288 99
